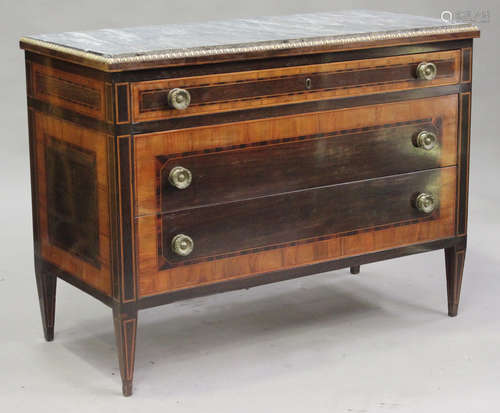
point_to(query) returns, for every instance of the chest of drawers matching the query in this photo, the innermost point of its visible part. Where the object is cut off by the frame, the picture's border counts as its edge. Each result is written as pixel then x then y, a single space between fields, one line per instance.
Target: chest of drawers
pixel 177 161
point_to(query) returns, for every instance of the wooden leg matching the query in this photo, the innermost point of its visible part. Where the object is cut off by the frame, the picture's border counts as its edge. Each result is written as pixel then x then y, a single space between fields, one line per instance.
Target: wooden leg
pixel 125 331
pixel 355 269
pixel 46 285
pixel 454 259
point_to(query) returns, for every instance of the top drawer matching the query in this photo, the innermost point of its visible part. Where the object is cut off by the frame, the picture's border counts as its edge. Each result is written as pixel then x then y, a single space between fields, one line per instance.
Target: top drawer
pixel 251 89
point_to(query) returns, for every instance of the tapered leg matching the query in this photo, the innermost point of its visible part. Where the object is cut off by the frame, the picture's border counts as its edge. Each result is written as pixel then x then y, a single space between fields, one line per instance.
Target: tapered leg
pixel 46 285
pixel 355 269
pixel 454 259
pixel 125 331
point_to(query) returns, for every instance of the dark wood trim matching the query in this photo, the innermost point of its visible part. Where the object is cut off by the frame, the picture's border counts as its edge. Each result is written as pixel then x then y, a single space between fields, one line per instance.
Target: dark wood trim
pixel 127 213
pixel 109 102
pixel 122 98
pixel 272 277
pixel 467 64
pixel 114 218
pixel 50 268
pixel 290 109
pixel 34 181
pixel 71 116
pixel 287 61
pixel 463 162
pixel 29 81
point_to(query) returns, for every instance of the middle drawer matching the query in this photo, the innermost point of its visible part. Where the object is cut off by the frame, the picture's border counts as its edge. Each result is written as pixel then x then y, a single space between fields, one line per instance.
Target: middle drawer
pixel 195 167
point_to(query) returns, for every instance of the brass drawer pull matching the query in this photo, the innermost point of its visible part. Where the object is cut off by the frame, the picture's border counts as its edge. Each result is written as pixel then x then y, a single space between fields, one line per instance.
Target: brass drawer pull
pixel 179 99
pixel 426 140
pixel 180 177
pixel 182 245
pixel 426 71
pixel 425 203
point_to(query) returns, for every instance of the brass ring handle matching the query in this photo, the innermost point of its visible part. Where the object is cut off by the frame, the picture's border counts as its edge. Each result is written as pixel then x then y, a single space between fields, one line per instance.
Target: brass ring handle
pixel 425 203
pixel 179 99
pixel 182 245
pixel 426 140
pixel 426 71
pixel 180 177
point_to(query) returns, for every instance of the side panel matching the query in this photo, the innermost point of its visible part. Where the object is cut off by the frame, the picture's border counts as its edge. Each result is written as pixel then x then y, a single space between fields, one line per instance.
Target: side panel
pixel 72 199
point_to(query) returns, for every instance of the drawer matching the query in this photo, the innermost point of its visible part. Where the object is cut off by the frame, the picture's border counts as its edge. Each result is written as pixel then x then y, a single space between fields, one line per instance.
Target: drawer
pixel 301 216
pixel 252 89
pixel 301 230
pixel 252 159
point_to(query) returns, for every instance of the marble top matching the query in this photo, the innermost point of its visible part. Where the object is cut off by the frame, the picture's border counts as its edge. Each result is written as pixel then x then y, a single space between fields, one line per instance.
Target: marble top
pixel 239 35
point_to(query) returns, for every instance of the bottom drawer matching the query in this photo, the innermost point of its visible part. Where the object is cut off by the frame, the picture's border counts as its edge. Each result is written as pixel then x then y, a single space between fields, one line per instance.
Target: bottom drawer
pixel 281 231
pixel 301 216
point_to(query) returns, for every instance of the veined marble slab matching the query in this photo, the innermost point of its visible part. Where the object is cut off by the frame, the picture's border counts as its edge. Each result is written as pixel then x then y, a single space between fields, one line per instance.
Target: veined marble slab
pixel 245 35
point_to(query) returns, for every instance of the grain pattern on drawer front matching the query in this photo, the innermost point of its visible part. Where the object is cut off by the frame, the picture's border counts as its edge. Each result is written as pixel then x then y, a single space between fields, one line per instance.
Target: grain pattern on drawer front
pixel 300 216
pixel 303 162
pixel 153 279
pixel 243 90
pixel 316 133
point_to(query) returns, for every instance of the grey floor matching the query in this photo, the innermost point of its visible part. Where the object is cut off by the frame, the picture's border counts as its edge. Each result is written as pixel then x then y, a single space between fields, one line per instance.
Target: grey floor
pixel 380 341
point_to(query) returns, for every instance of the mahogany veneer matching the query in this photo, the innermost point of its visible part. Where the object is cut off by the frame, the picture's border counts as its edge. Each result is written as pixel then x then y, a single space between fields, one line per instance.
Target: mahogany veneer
pixel 296 157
